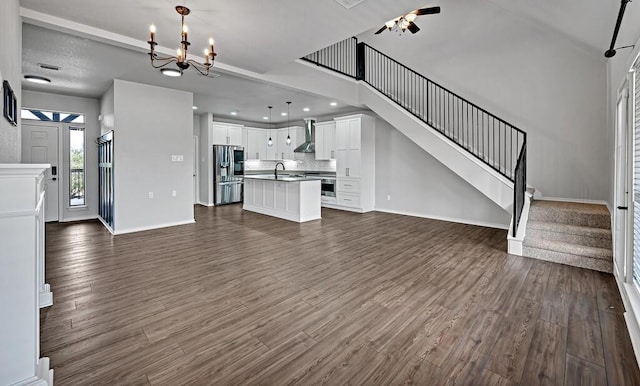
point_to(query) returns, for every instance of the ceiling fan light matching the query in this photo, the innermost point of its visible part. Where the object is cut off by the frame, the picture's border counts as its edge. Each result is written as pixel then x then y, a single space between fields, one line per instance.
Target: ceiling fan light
pixel 410 17
pixel 390 24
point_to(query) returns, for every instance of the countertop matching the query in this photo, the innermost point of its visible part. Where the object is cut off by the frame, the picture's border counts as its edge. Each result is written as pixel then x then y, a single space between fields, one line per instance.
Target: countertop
pixel 283 178
pixel 308 173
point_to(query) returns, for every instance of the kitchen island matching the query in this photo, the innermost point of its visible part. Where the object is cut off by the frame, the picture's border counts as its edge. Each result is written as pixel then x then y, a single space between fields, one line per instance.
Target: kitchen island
pixel 290 198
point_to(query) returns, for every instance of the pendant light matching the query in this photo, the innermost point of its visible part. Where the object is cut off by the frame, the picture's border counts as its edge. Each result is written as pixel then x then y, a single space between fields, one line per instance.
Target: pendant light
pixel 270 141
pixel 288 137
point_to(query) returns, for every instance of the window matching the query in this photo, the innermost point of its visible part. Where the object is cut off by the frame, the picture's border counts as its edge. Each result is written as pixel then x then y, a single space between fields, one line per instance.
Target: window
pixel 76 166
pixel 51 116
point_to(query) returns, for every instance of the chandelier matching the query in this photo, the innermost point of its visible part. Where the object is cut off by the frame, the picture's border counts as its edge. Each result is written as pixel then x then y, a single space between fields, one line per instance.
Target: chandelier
pixel 180 58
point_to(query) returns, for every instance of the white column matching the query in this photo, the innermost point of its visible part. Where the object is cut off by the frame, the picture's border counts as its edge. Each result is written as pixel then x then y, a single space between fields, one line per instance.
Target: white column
pixel 22 274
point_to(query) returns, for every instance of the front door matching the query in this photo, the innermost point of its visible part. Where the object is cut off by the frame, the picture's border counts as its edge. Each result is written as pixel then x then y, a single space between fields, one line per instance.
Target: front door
pixel 40 146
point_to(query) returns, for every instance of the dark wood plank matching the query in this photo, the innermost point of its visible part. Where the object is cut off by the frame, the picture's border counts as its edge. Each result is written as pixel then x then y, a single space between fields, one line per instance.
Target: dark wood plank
pixel 241 298
pixel 617 345
pixel 547 357
pixel 584 373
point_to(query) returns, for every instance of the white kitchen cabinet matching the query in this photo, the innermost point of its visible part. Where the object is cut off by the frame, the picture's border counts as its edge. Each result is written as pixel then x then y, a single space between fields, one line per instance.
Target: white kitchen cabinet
pixel 355 163
pixel 325 140
pixel 226 134
pixel 256 147
pixel 285 151
pixel 348 133
pixel 280 150
pixel 294 199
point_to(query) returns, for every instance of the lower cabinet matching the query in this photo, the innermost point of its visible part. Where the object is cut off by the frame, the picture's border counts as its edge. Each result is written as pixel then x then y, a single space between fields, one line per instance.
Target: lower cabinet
pixel 297 201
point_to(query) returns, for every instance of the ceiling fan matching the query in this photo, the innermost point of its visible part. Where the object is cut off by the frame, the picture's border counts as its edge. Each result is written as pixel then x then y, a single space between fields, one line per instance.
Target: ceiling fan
pixel 406 22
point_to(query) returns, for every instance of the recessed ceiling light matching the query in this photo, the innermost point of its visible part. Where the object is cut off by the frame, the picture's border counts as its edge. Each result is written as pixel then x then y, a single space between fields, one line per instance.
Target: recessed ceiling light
pixel 283 114
pixel 265 118
pixel 234 113
pixel 194 107
pixel 171 72
pixel 333 103
pixel 306 109
pixel 37 79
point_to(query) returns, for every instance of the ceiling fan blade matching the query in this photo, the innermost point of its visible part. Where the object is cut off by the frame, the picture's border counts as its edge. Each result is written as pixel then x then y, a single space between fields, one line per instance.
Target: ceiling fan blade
pixel 413 27
pixel 384 27
pixel 427 11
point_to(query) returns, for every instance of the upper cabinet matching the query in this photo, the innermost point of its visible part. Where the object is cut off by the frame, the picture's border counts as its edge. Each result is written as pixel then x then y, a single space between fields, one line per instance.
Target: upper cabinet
pixel 325 140
pixel 256 146
pixel 226 134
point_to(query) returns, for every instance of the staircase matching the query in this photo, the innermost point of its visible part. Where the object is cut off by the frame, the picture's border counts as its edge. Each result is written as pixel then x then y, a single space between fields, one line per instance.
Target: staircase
pixel 484 150
pixel 570 233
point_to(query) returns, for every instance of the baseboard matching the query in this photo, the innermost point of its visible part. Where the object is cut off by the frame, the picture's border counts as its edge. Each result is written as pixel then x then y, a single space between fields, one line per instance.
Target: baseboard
pixel 82 218
pixel 152 227
pixel 576 200
pixel 106 225
pixel 448 219
pixel 204 204
pixel 631 314
pixel 338 207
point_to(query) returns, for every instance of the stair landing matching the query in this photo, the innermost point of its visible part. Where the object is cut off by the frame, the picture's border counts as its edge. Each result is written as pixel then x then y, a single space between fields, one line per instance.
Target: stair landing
pixel 570 233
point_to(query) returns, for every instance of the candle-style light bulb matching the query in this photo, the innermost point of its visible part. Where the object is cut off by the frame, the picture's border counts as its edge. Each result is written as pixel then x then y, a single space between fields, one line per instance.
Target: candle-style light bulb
pixel 206 56
pixel 211 47
pixel 152 32
pixel 185 32
pixel 179 54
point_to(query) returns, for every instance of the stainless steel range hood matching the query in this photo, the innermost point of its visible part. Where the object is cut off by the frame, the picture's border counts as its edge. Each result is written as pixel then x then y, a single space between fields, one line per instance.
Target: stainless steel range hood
pixel 309 145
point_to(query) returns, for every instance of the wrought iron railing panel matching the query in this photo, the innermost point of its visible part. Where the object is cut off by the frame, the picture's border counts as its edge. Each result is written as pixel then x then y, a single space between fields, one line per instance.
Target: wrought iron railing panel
pixel 340 57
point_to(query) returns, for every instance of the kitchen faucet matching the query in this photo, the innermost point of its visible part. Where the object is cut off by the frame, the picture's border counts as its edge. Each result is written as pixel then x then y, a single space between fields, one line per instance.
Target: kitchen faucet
pixel 275 171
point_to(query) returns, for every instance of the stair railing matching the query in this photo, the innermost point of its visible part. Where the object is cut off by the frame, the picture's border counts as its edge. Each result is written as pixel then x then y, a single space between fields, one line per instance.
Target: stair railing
pixel 490 139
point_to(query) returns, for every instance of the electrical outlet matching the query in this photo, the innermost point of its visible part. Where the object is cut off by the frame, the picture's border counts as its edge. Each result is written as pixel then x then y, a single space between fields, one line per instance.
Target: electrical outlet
pixel 388 197
pixel 174 193
pixel 150 194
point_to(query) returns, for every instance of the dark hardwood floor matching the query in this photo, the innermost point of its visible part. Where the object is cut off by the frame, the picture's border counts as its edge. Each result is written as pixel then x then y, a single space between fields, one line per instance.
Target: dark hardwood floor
pixel 352 299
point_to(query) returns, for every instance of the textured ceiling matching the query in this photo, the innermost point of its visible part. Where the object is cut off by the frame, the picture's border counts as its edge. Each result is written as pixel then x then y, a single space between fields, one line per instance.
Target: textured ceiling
pixel 87 69
pixel 253 35
pixel 258 36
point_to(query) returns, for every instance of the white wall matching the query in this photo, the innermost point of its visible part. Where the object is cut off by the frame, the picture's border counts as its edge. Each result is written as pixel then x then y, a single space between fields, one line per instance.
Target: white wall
pixel 530 76
pixel 11 70
pixel 89 107
pixel 152 124
pixel 420 185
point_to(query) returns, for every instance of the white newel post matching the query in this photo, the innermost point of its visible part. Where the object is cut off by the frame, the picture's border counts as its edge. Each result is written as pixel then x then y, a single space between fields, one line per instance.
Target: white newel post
pixel 22 287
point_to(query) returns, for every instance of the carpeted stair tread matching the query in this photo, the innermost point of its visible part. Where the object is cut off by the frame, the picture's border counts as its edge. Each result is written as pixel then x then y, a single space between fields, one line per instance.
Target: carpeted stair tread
pixel 601 233
pixel 577 214
pixel 569 259
pixel 591 237
pixel 568 248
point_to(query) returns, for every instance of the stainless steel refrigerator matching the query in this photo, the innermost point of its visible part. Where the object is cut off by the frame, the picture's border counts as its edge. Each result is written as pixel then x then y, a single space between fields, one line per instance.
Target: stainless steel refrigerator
pixel 228 168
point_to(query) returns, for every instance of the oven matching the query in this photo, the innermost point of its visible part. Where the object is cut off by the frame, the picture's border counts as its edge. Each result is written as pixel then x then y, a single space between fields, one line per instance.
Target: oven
pixel 328 189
